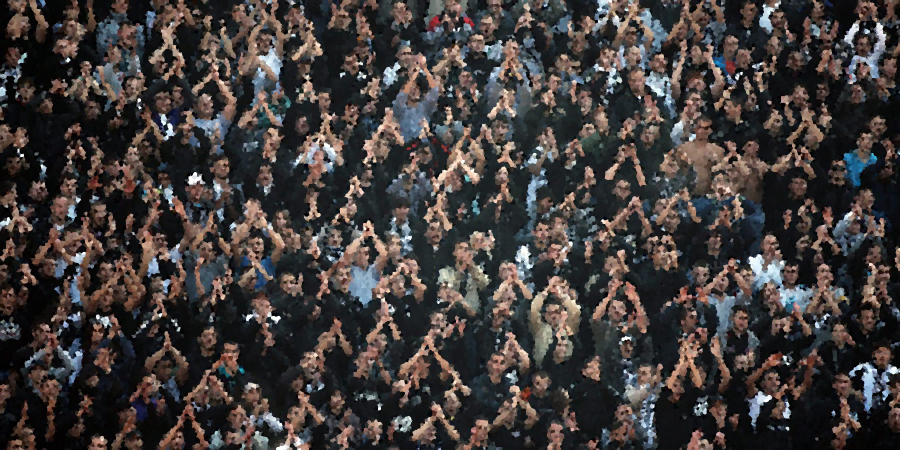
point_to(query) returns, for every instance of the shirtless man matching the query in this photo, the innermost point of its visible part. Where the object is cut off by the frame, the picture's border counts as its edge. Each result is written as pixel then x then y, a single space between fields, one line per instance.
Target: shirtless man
pixel 701 154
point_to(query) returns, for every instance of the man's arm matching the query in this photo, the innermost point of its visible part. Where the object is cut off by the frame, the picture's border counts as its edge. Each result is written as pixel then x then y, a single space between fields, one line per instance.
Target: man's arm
pixel 573 319
pixel 535 313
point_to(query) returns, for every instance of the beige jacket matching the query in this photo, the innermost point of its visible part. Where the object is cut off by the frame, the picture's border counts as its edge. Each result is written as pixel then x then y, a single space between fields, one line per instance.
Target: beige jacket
pixel 544 333
pixel 475 282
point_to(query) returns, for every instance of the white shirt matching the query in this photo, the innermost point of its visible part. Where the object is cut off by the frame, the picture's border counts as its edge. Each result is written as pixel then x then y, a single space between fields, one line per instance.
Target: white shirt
pixel 273 61
pixel 763 275
pixel 661 85
pixel 756 404
pixel 390 74
pixel 764 20
pixel 848 242
pixel 255 316
pixel 875 381
pixel 799 295
pixel 874 56
pixel 405 234
pixel 363 282
pixel 309 156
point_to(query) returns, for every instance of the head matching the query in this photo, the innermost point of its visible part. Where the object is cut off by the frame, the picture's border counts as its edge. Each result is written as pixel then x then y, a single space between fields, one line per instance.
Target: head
pixel 867 319
pixel 636 80
pixel 97 443
pixel 208 338
pixel 740 319
pixel 771 382
pixel 593 369
pixel 496 365
pixel 882 355
pixel 703 128
pixel 689 320
pixel 541 382
pixel 626 347
pixel 555 433
pixel 841 385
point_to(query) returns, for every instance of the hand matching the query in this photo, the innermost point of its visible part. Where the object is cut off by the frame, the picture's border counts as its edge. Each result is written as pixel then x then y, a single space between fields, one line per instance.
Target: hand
pixel 368 230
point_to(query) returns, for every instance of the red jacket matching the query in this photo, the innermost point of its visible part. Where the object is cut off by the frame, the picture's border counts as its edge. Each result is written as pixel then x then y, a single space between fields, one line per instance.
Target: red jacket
pixel 436 20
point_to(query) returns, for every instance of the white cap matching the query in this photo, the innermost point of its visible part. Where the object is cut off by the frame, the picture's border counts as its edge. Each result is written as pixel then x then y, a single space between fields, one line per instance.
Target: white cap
pixel 195 179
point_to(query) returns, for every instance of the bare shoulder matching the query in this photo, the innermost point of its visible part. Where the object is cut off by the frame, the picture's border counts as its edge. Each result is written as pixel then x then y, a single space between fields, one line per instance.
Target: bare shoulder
pixel 714 150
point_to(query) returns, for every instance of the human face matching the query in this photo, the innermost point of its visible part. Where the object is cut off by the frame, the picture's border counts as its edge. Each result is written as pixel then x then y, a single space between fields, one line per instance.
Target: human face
pixel 555 433
pixel 863 46
pixel 592 369
pixel 291 285
pixel 740 320
pixel 434 234
pixel 867 319
pixel 97 443
pixel 401 213
pixel 839 334
pixel 438 321
pixel 7 301
pixel 800 97
pixel 644 375
pixel 476 43
pixel 541 234
pixel 553 315
pixel 208 338
pixel 894 419
pixel 790 274
pixel 400 12
pixel 822 91
pixel 13 165
pixel 231 353
pixel 617 311
pixel 343 277
pixel 623 414
pixel 541 384
pixel 256 246
pixel 496 364
pixel 373 429
pixel 841 385
pixel 486 27
pixel 771 382
pixel 636 80
pixel 690 321
pixel 798 188
pixel 362 257
pixel 265 176
pixel 205 105
pixel 561 351
pixel 882 356
pixel 677 386
pixel 703 130
pixel 495 7
pixel 600 119
pixel 889 68
pixel 877 126
pixel 221 169
pixel 730 46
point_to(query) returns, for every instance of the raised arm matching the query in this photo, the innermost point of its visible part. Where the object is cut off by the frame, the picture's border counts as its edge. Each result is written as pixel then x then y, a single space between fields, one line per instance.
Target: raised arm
pixel 676 74
pixel 573 319
pixel 535 312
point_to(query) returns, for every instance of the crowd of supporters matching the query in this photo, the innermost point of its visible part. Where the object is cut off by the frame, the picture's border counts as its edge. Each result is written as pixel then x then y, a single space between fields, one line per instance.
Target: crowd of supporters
pixel 449 224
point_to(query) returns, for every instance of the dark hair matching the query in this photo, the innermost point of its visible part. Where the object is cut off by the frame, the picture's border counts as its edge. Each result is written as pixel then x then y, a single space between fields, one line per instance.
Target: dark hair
pixel 894 379
pixel 686 311
pixel 739 308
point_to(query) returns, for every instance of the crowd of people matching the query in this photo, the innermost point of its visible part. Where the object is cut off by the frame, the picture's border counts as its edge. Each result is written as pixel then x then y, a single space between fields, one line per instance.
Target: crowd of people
pixel 449 224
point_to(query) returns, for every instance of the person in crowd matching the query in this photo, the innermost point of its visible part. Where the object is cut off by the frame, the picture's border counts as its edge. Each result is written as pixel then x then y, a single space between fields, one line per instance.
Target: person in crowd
pixel 458 224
